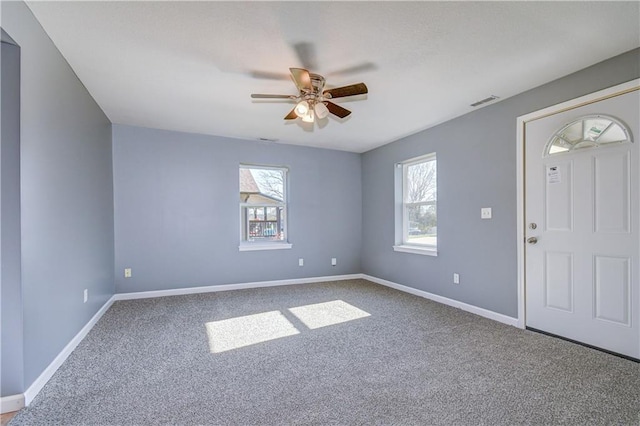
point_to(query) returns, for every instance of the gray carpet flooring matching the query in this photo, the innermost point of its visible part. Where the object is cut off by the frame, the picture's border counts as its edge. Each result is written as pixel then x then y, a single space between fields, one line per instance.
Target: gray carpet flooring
pixel 381 357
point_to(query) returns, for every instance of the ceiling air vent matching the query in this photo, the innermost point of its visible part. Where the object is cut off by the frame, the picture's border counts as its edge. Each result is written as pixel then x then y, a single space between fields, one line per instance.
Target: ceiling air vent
pixel 485 100
pixel 267 140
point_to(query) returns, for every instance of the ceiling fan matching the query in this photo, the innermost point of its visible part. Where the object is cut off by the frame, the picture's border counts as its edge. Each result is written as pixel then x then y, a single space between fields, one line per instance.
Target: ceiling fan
pixel 312 100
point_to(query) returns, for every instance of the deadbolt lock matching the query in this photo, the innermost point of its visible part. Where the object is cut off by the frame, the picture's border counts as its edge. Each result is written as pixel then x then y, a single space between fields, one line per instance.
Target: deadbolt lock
pixel 532 225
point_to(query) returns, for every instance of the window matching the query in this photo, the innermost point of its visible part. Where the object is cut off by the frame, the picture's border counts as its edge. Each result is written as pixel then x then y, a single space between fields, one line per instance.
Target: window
pixel 263 208
pixel 416 213
pixel 591 131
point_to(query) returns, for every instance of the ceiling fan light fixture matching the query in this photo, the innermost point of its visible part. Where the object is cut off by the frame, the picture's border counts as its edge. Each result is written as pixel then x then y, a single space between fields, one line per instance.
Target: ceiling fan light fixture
pixel 302 109
pixel 321 110
pixel 308 117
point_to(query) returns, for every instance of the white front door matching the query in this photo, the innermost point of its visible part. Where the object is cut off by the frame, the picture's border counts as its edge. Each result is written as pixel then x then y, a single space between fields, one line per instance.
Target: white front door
pixel 582 223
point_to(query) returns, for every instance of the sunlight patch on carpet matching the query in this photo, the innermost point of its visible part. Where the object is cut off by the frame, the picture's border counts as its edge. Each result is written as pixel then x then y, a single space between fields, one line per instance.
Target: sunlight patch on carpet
pixel 247 330
pixel 328 313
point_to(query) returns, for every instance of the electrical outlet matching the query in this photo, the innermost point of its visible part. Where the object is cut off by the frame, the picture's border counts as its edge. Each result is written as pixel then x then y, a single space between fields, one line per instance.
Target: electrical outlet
pixel 456 278
pixel 127 272
pixel 485 213
pixel 334 261
pixel 301 262
pixel 86 295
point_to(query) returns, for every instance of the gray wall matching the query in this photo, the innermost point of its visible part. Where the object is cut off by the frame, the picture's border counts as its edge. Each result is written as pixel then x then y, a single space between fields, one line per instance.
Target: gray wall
pixel 177 213
pixel 11 380
pixel 476 168
pixel 66 196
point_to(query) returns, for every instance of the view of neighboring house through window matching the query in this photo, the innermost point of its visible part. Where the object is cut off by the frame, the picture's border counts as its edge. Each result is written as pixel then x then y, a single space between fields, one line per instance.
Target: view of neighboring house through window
pixel 263 205
pixel 419 202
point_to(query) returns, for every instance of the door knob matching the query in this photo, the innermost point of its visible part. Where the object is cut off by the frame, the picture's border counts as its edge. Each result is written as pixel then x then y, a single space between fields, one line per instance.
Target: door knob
pixel 532 240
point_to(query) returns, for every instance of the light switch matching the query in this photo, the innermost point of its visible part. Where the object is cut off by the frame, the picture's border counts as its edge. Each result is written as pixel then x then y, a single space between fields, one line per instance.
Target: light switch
pixel 485 213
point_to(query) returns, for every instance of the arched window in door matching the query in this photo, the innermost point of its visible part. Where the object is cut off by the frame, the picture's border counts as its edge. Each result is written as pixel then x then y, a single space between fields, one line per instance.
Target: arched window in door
pixel 590 131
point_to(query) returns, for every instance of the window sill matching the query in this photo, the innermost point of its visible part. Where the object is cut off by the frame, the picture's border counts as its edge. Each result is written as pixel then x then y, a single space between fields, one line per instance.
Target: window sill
pixel 263 246
pixel 425 251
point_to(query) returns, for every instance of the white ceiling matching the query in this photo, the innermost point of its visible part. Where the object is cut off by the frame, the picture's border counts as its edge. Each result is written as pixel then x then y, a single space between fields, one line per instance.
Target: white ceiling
pixel 191 66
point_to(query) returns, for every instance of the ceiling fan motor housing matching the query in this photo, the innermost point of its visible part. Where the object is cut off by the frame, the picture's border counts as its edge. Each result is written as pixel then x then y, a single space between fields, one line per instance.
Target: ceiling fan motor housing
pixel 317 81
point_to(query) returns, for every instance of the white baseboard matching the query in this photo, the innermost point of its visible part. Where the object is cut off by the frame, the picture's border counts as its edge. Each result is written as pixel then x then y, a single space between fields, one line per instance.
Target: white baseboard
pixel 226 287
pixel 11 403
pixel 16 402
pixel 42 380
pixel 33 390
pixel 446 301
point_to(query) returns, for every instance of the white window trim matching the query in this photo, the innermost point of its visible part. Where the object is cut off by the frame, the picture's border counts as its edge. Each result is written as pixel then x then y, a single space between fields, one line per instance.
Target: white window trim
pixel 402 245
pixel 274 245
pixel 266 245
pixel 423 250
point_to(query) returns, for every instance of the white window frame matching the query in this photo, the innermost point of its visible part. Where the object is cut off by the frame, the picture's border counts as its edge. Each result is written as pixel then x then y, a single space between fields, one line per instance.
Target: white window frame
pixel 402 243
pixel 246 245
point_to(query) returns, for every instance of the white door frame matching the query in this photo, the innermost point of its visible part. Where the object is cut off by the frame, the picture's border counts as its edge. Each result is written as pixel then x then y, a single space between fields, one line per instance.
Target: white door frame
pixel 520 161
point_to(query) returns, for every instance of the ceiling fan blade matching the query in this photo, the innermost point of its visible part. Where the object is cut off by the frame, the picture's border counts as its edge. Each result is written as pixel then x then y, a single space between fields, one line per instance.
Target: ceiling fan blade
pixel 306 54
pixel 292 115
pixel 263 96
pixel 268 75
pixel 341 92
pixel 337 110
pixel 363 67
pixel 302 79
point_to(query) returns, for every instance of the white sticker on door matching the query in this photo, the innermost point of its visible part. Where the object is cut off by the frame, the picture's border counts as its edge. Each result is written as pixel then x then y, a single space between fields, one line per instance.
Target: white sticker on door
pixel 553 175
